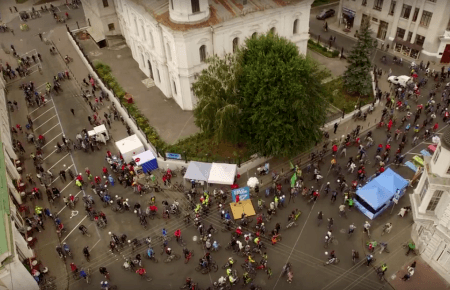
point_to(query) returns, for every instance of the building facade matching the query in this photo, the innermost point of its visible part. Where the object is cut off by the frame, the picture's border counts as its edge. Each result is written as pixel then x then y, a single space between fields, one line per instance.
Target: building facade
pixel 102 20
pixel 13 245
pixel 412 28
pixel 430 204
pixel 171 39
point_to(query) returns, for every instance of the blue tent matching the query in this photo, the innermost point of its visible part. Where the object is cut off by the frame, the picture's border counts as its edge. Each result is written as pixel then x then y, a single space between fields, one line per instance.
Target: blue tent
pixel 146 160
pixel 373 198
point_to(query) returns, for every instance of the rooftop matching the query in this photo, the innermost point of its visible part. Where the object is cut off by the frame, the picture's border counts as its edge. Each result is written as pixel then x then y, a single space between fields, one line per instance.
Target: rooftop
pixel 221 10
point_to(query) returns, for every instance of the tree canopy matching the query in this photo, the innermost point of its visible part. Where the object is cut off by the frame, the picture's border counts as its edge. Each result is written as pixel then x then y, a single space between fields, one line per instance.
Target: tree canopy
pixel 266 95
pixel 357 79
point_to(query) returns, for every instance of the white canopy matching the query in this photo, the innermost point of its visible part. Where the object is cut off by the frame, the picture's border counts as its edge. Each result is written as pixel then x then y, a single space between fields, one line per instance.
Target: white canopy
pixel 129 147
pixel 222 173
pixel 198 171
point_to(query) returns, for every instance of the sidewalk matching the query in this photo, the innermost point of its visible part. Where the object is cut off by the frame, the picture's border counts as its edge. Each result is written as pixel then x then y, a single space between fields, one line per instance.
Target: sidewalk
pixel 169 120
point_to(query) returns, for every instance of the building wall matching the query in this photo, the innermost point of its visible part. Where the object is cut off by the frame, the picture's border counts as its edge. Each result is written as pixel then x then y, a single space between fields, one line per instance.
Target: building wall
pixel 99 16
pixel 431 230
pixel 175 54
pixel 15 276
pixel 434 44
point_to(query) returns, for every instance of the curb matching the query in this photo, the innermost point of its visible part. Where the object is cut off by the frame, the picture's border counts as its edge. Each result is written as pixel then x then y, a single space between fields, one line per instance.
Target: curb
pixel 324 5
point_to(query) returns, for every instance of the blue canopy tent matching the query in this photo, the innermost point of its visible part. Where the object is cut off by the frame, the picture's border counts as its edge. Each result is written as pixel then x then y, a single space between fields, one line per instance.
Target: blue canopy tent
pixel 373 198
pixel 146 160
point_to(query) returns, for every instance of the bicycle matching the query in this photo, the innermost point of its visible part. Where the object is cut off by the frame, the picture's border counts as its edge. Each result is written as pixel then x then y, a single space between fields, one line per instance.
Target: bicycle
pixel 188 257
pixel 172 257
pixel 181 242
pixel 146 277
pixel 88 275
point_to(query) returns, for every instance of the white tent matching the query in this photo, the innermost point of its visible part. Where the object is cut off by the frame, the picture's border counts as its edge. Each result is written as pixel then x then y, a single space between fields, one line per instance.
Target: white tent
pixel 222 173
pixel 198 171
pixel 129 147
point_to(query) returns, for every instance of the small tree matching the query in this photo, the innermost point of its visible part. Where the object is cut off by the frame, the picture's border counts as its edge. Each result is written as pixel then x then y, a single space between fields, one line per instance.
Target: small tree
pixel 357 76
pixel 217 111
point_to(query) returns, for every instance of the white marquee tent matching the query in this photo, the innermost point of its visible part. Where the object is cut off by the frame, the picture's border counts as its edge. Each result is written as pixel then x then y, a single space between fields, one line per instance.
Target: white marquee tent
pixel 129 147
pixel 222 173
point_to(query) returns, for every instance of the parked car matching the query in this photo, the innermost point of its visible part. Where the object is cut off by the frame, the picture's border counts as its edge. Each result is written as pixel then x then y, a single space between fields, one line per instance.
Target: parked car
pixel 326 13
pixel 401 80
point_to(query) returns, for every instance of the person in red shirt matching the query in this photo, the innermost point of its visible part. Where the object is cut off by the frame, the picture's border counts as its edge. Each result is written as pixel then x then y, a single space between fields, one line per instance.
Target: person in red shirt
pixel 388 147
pixel 108 154
pixel 79 177
pixel 88 172
pixel 436 126
pixel 105 170
pixel 237 200
pixel 97 179
pixel 335 149
pixel 73 267
pixel 381 169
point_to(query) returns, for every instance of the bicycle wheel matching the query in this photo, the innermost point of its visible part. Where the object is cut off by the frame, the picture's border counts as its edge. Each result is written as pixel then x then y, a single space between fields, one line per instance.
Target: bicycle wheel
pixel 205 271
pixel 198 268
pixel 148 278
pixel 176 257
pixel 214 267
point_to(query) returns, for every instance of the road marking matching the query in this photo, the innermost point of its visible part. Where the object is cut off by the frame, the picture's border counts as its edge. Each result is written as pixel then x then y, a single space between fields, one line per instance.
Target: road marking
pixel 42 114
pixel 40 86
pixel 59 160
pixel 52 140
pixel 73 229
pixel 65 186
pixel 66 205
pixel 49 155
pixel 95 245
pixel 50 129
pixel 39 107
pixel 44 123
pixel 67 5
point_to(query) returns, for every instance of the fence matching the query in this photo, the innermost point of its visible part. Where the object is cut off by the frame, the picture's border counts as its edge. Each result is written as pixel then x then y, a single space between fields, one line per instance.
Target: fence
pixel 325 42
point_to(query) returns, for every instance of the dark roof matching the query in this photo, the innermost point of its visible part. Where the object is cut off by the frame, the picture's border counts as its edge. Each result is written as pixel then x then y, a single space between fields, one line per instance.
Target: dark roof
pixel 445 139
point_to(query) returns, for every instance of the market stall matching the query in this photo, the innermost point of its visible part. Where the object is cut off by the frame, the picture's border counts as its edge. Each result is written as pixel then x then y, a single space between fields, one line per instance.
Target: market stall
pixel 222 173
pixel 130 147
pixel 145 161
pixel 198 171
pixel 377 195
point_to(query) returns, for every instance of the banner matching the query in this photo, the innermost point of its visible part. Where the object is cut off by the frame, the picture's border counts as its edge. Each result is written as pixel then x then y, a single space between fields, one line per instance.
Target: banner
pixel 293 179
pixel 243 192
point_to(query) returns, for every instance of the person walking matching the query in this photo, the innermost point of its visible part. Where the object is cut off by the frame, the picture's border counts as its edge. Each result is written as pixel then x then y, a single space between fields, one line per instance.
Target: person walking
pixel 62 173
pixel 15 8
pixel 336 125
pixel 10 10
pixel 73 111
pixel 40 36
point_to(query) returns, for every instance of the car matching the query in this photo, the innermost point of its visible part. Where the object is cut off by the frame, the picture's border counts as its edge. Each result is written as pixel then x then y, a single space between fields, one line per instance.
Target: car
pixel 326 13
pixel 400 80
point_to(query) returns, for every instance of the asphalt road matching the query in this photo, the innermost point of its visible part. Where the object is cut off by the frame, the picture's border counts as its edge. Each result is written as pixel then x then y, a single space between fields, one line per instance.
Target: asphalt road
pixel 302 245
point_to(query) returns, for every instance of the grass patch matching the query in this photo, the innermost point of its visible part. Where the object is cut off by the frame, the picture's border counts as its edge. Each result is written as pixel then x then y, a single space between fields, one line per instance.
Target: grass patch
pixel 341 99
pixel 198 147
pixel 317 47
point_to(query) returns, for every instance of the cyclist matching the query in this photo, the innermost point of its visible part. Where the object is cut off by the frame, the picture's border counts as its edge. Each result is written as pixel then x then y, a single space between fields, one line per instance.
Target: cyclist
pixel 246 278
pixel 369 259
pixel 141 271
pixel 104 272
pixel 83 229
pixel 164 232
pixel 229 272
pixel 60 252
pixel 387 228
pixel 355 256
pixel 86 252
pixel 239 231
pixel 83 274
pixel 169 251
pixel 250 261
pixel 73 268
pixel 411 247
pixel 366 227
pixel 177 234
pixel 139 260
pixel 150 252
pixel 351 229
pixel 104 285
pixel 230 262
pixel 188 282
pixel 215 245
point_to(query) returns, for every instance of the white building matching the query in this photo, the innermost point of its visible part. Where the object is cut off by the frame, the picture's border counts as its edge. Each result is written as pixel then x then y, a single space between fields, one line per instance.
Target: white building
pixel 414 28
pixel 430 204
pixel 13 246
pixel 170 39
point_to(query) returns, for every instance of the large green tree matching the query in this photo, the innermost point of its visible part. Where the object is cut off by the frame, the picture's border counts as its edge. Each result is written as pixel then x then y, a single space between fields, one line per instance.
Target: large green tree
pixel 357 79
pixel 266 95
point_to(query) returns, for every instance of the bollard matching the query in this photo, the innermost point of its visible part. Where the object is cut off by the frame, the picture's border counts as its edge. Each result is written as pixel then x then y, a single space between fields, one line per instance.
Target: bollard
pixel 281 170
pixel 78 25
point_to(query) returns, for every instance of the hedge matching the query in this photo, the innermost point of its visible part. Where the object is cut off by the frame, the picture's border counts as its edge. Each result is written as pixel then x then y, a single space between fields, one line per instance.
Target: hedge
pixel 322 49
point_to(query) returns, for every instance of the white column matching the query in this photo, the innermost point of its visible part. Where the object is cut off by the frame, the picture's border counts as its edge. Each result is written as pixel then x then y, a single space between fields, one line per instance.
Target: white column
pixel 398 11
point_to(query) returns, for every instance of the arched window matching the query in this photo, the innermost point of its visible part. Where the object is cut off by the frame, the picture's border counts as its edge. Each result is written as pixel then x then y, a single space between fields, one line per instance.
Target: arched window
pixel 273 30
pixel 202 52
pixel 235 44
pixel 295 28
pixel 255 34
pixel 169 53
